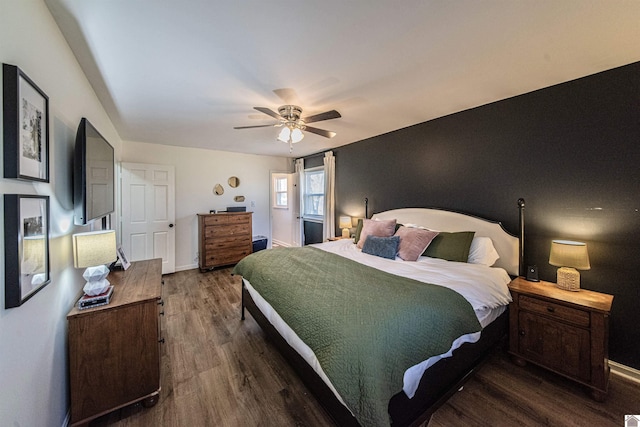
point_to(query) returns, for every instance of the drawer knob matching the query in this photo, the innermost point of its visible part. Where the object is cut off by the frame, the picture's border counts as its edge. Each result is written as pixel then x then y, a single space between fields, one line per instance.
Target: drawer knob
pixel 551 309
pixel 162 313
pixel 161 341
pixel 161 302
pixel 522 333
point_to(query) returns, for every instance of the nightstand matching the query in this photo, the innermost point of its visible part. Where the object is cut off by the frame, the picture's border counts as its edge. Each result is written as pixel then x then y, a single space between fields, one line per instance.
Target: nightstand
pixel 563 331
pixel 332 239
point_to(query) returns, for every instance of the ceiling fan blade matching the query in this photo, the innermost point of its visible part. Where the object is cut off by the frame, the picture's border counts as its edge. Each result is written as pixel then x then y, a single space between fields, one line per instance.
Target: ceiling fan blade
pixel 268 112
pixel 327 115
pixel 258 126
pixel 322 132
pixel 288 95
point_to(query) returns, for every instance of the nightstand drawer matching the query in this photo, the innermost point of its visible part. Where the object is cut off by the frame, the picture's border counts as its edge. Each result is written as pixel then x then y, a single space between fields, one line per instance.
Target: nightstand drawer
pixel 556 311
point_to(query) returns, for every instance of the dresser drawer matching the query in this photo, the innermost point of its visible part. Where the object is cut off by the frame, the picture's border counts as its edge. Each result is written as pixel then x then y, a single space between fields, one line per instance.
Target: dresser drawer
pixel 226 230
pixel 558 311
pixel 227 219
pixel 230 256
pixel 226 242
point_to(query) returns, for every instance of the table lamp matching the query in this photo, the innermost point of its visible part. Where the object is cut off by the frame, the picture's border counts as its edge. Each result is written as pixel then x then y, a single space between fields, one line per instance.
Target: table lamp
pixel 345 224
pixel 92 251
pixel 570 257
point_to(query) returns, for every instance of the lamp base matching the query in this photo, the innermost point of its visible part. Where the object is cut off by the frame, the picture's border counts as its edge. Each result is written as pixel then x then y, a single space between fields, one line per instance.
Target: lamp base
pixel 96 278
pixel 345 233
pixel 568 279
pixel 96 287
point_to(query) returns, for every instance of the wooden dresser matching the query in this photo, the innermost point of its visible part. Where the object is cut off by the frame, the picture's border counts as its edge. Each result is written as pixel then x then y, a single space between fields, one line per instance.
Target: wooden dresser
pixel 114 349
pixel 566 332
pixel 223 238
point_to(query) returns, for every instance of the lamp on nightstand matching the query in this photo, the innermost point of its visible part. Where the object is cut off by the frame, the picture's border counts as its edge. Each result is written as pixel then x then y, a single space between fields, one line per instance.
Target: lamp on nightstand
pixel 570 257
pixel 92 251
pixel 345 224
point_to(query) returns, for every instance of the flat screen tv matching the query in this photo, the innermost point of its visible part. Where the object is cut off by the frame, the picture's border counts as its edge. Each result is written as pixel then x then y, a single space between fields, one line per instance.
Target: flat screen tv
pixel 93 175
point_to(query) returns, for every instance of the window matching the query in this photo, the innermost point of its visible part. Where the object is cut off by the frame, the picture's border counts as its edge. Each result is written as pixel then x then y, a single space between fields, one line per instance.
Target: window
pixel 314 192
pixel 280 192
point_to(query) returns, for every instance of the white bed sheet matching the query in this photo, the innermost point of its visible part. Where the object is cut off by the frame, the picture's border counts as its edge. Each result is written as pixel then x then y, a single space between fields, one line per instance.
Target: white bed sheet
pixel 484 287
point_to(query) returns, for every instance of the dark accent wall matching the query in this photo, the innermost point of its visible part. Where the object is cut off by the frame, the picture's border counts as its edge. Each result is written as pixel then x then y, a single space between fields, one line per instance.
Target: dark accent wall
pixel 572 151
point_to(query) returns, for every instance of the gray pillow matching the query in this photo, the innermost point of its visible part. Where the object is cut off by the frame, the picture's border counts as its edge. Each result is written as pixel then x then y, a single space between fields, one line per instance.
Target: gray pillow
pixel 385 247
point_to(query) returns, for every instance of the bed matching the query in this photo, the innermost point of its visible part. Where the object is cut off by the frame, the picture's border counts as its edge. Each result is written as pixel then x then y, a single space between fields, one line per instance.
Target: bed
pixel 385 341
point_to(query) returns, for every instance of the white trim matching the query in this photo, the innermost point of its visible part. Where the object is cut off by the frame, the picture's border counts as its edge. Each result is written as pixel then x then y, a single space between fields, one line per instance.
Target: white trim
pixel 186 267
pixel 625 371
pixel 279 243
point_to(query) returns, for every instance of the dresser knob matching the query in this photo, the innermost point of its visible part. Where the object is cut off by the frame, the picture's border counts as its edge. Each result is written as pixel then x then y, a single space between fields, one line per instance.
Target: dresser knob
pixel 162 313
pixel 551 309
pixel 161 341
pixel 522 333
pixel 161 302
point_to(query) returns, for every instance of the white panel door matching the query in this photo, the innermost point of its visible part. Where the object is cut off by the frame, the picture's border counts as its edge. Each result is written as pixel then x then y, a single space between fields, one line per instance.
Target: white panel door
pixel 148 213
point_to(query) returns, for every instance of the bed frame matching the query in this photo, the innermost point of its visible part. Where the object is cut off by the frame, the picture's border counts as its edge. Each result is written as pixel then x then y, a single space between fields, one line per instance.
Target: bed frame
pixel 445 377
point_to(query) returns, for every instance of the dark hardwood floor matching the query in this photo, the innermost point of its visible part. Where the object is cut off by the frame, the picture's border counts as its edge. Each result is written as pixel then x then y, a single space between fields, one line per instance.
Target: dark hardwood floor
pixel 220 371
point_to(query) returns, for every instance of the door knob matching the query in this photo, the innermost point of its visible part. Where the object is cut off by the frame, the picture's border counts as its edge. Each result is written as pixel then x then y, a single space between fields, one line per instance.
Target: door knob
pixel 170 225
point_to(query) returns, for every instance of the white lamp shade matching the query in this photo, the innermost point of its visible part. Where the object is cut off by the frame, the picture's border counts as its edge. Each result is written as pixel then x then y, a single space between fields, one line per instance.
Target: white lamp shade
pixel 296 135
pixel 345 222
pixel 284 135
pixel 94 248
pixel 566 253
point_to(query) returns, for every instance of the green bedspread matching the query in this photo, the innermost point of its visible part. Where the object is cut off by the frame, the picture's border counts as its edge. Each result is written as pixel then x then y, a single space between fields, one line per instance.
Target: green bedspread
pixel 365 326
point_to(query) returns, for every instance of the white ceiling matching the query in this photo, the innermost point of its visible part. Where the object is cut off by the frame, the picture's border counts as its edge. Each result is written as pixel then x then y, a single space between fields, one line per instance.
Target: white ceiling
pixel 186 72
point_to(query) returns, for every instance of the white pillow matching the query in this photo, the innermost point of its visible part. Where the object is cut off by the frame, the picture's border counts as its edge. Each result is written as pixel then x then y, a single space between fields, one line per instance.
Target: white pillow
pixel 482 251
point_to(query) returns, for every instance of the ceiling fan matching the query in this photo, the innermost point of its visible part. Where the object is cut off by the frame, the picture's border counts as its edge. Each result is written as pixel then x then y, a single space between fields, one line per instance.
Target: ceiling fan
pixel 290 119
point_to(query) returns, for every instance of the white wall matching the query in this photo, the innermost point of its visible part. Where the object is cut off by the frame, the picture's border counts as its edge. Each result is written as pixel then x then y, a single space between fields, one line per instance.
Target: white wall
pixel 33 357
pixel 197 172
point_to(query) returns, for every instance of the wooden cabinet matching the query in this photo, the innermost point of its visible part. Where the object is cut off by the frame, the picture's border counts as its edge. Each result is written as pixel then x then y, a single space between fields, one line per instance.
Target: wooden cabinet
pixel 223 238
pixel 114 350
pixel 564 331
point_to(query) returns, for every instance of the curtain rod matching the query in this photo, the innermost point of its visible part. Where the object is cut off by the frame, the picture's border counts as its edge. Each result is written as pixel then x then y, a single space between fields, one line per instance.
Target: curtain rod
pixel 322 153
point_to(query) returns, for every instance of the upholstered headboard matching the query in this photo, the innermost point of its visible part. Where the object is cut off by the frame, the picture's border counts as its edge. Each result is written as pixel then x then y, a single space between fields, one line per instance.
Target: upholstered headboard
pixel 506 244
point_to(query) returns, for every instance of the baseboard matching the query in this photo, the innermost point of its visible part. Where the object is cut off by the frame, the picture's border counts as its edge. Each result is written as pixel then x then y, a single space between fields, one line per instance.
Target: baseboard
pixel 186 267
pixel 625 371
pixel 280 243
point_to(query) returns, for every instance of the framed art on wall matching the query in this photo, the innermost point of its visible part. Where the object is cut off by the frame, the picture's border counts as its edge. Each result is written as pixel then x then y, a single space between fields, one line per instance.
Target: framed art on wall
pixel 26 247
pixel 26 127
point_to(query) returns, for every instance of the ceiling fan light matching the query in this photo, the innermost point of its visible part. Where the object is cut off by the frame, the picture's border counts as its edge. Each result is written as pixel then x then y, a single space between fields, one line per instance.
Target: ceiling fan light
pixel 284 135
pixel 296 135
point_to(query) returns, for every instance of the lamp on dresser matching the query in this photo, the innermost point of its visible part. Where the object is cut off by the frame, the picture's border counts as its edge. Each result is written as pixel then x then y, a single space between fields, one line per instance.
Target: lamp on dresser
pixel 570 256
pixel 92 251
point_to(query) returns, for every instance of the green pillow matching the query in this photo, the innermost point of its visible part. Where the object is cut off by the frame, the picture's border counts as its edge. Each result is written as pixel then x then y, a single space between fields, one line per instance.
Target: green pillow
pixel 450 246
pixel 358 230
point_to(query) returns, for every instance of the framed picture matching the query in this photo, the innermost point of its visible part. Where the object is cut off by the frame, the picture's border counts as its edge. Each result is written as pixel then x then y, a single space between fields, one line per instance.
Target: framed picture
pixel 26 127
pixel 123 258
pixel 26 247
